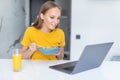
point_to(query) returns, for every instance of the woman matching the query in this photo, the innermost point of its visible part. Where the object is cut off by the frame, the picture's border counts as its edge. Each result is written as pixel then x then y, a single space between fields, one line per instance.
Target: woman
pixel 45 33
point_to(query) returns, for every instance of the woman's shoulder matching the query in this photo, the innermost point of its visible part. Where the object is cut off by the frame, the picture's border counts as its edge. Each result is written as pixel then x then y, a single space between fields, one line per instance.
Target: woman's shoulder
pixel 29 28
pixel 59 30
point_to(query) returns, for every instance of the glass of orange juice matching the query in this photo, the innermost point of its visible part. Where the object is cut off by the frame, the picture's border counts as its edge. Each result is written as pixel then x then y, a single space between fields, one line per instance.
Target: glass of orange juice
pixel 17 60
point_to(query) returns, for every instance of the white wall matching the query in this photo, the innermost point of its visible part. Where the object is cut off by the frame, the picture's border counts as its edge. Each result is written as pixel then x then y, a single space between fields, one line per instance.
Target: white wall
pixel 12 25
pixel 97 21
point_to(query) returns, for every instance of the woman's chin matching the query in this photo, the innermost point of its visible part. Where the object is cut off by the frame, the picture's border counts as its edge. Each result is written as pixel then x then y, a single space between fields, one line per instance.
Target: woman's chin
pixel 52 28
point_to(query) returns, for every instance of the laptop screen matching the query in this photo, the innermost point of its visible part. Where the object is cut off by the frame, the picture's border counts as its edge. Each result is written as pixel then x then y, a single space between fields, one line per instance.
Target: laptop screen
pixel 91 57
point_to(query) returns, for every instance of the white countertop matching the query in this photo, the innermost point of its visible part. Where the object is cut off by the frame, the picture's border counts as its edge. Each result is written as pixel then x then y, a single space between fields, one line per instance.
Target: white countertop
pixel 39 70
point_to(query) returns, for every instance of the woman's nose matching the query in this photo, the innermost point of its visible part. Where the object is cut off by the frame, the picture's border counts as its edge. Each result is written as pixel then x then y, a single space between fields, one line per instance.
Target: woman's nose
pixel 56 21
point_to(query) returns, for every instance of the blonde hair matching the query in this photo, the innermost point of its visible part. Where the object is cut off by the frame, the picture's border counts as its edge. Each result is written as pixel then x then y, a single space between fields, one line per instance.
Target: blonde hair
pixel 44 8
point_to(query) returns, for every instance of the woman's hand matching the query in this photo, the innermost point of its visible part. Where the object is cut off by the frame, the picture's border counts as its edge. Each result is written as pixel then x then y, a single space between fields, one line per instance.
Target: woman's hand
pixel 28 51
pixel 33 47
pixel 60 54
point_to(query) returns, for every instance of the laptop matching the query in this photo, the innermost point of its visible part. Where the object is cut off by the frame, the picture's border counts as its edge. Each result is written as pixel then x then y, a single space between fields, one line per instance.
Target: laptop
pixel 91 57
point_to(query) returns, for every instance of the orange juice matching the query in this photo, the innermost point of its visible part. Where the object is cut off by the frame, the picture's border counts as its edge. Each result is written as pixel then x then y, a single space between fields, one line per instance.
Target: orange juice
pixel 17 61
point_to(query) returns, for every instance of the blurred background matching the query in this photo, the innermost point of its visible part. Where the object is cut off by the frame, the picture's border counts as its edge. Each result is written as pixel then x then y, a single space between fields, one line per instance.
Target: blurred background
pixel 83 21
pixel 17 15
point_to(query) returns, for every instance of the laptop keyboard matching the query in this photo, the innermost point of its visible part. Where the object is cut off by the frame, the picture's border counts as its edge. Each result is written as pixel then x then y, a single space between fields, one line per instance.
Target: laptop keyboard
pixel 69 68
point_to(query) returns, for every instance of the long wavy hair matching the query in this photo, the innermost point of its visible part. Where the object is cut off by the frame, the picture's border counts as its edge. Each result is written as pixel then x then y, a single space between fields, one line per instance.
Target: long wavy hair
pixel 44 8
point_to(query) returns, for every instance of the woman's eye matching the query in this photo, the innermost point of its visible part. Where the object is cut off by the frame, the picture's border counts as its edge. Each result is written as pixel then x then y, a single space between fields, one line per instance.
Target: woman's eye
pixel 52 17
pixel 55 18
pixel 58 18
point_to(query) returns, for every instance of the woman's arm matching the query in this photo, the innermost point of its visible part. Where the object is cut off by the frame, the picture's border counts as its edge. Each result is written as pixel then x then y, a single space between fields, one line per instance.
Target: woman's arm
pixel 60 54
pixel 28 51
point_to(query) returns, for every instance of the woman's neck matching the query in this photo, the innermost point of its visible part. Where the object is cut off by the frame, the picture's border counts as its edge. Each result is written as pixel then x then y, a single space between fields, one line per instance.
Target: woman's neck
pixel 46 30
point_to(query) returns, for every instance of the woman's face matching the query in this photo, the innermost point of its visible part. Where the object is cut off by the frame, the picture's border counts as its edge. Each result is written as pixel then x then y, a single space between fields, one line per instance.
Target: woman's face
pixel 51 19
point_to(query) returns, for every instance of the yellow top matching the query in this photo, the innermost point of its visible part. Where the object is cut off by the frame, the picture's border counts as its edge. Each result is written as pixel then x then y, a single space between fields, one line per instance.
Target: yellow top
pixel 54 38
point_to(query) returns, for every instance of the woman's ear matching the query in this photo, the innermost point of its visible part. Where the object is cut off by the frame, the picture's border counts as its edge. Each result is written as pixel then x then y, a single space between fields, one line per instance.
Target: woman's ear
pixel 42 16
